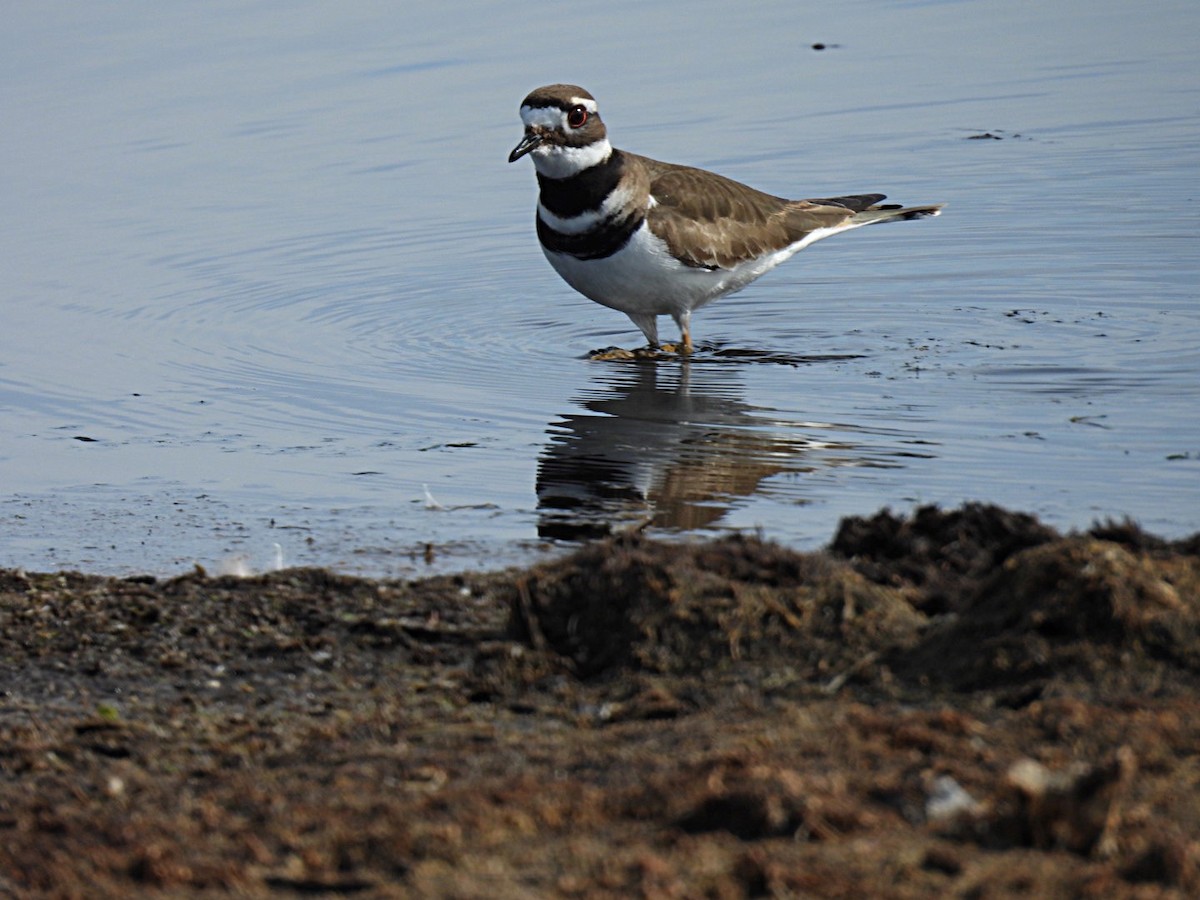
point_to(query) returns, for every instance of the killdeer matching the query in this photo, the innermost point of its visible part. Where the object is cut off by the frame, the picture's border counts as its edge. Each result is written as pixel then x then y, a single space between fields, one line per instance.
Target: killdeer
pixel 654 239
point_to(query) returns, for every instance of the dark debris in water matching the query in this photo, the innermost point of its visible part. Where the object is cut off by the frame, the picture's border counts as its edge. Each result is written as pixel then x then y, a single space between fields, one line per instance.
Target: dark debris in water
pixel 996 135
pixel 951 703
pixel 711 352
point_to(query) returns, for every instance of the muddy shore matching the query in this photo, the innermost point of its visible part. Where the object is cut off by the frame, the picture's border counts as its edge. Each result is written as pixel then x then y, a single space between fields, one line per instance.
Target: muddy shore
pixel 957 703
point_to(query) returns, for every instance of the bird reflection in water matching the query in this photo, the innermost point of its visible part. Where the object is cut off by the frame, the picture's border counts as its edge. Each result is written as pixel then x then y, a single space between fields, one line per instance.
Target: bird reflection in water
pixel 673 447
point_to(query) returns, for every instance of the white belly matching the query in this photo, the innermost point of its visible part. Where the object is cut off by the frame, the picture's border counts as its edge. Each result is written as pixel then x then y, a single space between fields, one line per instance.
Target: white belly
pixel 643 279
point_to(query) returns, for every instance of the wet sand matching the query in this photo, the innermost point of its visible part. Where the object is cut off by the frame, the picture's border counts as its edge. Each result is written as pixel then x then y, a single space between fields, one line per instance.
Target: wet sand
pixel 959 703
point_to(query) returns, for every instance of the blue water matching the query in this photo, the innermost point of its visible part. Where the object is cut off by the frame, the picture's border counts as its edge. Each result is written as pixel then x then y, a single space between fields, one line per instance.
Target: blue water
pixel 271 292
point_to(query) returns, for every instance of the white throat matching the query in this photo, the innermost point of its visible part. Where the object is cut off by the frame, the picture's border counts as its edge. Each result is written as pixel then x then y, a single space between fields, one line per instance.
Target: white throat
pixel 557 161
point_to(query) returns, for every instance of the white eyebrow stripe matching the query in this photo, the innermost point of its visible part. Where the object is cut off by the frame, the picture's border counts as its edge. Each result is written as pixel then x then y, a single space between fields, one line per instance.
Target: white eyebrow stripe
pixel 544 117
pixel 552 116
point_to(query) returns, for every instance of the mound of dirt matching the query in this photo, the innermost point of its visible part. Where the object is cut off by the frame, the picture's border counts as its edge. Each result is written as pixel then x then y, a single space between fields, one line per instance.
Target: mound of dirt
pixel 1080 610
pixel 941 552
pixel 635 604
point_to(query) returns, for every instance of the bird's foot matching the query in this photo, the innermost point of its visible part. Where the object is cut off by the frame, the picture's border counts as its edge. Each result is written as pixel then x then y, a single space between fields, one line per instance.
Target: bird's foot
pixel 680 349
pixel 685 346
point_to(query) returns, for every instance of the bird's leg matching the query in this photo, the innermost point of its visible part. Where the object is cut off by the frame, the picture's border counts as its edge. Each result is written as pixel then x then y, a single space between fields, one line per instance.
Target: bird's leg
pixel 686 334
pixel 649 327
pixel 684 321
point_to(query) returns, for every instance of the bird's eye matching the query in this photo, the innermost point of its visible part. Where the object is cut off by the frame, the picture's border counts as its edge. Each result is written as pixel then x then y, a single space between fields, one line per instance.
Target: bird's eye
pixel 577 116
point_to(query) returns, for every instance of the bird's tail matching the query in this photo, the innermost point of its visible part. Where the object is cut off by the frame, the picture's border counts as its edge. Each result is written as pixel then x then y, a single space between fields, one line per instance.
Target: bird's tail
pixel 894 212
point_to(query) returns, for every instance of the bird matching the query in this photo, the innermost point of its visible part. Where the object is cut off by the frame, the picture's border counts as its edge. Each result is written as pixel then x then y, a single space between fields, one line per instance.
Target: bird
pixel 651 238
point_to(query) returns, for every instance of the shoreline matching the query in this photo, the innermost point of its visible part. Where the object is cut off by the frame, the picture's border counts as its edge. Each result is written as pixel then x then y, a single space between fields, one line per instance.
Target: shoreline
pixel 953 702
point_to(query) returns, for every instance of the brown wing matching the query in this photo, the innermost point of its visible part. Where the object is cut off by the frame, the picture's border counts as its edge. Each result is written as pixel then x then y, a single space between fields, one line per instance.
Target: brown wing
pixel 710 221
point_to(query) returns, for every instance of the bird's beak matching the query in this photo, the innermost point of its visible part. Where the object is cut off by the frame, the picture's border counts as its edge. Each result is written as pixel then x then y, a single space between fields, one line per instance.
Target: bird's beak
pixel 531 140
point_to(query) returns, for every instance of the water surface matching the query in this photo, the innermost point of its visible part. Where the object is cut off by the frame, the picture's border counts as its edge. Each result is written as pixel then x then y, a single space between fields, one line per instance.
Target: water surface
pixel 271 291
